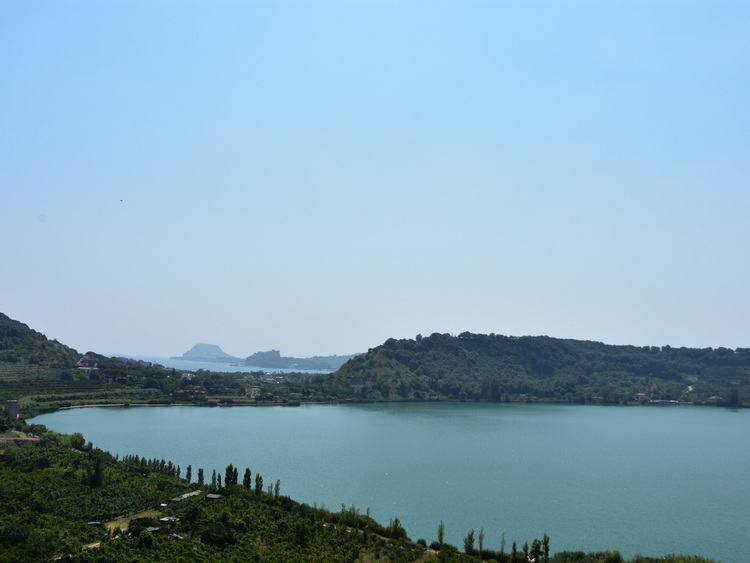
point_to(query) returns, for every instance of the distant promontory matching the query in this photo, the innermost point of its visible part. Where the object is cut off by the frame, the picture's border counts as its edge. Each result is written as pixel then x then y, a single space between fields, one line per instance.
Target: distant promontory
pixel 208 353
pixel 272 359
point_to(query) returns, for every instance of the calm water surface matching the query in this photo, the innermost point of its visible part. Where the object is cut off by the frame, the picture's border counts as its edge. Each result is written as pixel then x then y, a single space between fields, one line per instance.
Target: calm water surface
pixel 647 480
pixel 190 365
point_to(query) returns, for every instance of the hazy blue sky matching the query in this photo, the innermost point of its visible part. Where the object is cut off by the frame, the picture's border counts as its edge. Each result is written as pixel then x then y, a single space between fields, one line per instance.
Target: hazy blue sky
pixel 317 176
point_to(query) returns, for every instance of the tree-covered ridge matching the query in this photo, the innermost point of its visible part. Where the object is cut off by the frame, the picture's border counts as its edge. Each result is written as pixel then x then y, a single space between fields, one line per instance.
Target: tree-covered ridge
pixel 45 375
pixel 498 368
pixel 272 359
pixel 23 345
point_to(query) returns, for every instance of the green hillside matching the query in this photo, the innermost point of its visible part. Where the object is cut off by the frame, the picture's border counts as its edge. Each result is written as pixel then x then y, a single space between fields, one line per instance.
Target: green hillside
pixel 43 374
pixel 63 499
pixel 478 367
pixel 23 346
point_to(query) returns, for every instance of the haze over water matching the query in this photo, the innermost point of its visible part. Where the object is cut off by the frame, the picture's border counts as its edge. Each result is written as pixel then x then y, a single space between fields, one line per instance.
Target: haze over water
pixel 643 480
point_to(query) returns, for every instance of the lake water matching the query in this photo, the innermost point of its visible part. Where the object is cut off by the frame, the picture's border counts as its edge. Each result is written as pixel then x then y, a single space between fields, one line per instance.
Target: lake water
pixel 648 480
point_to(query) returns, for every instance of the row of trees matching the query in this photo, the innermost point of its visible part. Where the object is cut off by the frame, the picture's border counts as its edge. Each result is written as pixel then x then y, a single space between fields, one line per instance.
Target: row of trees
pixel 539 550
pixel 231 473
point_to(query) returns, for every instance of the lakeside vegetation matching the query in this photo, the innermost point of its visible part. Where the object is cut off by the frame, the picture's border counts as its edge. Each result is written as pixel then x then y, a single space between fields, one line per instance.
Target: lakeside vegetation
pixel 479 367
pixel 44 375
pixel 61 497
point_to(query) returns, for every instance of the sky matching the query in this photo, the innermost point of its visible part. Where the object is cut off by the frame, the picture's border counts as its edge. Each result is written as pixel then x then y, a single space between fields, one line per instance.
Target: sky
pixel 319 176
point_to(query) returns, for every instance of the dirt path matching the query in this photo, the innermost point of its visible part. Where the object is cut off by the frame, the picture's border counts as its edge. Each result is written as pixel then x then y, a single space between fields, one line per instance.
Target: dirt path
pixel 123 522
pixel 15 438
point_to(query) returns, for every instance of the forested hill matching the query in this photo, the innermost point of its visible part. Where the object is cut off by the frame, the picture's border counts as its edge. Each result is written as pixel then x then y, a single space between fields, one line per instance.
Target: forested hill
pixel 503 368
pixel 23 345
pixel 274 360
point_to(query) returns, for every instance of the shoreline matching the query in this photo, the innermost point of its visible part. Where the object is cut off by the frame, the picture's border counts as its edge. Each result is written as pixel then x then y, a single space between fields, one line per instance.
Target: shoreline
pixel 360 402
pixel 217 405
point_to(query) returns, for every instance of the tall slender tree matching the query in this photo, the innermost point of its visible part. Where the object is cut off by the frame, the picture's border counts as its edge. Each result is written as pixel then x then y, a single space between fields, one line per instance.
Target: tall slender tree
pixel 536 549
pixel 469 543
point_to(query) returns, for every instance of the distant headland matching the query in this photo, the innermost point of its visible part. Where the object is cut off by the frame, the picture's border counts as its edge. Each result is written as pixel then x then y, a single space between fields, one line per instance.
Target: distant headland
pixel 272 359
pixel 208 353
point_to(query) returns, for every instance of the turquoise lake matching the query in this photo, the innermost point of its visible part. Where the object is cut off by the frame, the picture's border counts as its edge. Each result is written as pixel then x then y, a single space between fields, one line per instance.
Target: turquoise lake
pixel 648 480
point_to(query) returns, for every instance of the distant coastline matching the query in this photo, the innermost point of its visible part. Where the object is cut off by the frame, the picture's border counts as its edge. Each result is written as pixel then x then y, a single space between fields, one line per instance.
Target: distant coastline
pixel 271 360
pixel 194 365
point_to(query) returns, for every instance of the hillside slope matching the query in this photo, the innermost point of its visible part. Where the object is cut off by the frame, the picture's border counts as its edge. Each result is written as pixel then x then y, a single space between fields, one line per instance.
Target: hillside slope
pixel 22 345
pixel 500 368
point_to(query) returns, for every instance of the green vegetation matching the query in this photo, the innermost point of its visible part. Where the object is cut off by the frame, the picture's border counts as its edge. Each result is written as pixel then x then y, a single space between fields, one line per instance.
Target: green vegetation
pixel 20 344
pixel 273 359
pixel 57 495
pixel 477 367
pixel 61 498
pixel 45 375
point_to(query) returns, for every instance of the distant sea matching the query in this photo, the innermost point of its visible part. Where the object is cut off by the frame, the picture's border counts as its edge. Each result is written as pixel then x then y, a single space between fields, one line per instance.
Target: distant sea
pixel 189 365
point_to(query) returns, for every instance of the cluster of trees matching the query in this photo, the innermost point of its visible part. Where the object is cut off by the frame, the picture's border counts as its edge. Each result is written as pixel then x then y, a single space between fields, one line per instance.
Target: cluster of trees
pixel 501 368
